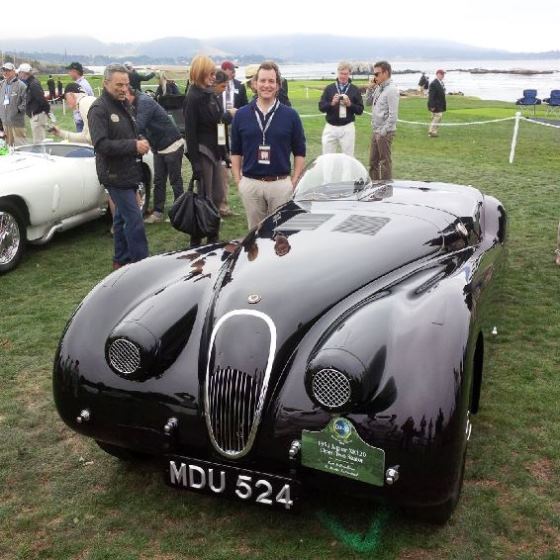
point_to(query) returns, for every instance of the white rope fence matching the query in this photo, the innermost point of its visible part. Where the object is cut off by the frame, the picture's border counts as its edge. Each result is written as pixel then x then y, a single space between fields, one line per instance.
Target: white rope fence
pixel 517 118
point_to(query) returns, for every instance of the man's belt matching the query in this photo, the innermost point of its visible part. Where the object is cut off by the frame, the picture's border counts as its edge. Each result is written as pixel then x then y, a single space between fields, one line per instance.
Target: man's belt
pixel 267 178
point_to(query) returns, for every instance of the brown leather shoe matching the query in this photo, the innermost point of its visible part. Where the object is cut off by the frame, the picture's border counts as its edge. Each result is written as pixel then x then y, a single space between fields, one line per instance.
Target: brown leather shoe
pixel 117 265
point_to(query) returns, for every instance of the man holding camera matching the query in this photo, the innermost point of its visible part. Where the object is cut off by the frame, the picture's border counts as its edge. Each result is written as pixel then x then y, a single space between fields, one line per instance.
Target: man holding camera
pixel 341 102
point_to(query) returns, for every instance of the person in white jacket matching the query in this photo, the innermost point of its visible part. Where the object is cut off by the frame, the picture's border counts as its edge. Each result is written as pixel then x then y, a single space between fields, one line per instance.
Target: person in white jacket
pixel 76 98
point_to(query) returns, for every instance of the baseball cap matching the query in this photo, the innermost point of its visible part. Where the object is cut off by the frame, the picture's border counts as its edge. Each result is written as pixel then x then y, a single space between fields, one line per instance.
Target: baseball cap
pixel 73 87
pixel 25 67
pixel 76 66
pixel 251 70
pixel 8 66
pixel 228 65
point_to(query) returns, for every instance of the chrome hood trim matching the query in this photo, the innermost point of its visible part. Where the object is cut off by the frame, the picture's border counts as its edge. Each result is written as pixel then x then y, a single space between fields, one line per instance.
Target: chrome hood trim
pixel 222 407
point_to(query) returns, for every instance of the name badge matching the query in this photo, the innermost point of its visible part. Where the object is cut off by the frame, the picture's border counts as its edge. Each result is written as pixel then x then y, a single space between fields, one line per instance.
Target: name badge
pixel 342 111
pixel 114 117
pixel 6 100
pixel 263 155
pixel 221 134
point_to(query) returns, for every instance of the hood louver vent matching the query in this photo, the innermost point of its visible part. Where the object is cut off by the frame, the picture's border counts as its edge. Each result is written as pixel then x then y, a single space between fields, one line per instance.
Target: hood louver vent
pixel 364 225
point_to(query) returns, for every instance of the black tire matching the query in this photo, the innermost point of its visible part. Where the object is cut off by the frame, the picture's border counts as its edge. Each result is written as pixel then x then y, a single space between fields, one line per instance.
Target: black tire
pixel 122 453
pixel 12 236
pixel 440 514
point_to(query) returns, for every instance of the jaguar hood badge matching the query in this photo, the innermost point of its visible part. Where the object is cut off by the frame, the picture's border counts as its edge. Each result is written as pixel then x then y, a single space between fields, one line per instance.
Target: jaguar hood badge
pixel 254 298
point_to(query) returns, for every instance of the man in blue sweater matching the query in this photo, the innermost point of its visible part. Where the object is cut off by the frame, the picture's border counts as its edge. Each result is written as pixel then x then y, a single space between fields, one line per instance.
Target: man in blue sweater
pixel 168 146
pixel 264 135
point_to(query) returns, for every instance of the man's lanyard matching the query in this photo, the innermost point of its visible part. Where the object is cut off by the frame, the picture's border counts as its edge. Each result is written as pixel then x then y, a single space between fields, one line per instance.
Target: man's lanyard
pixel 377 94
pixel 7 93
pixel 343 89
pixel 268 120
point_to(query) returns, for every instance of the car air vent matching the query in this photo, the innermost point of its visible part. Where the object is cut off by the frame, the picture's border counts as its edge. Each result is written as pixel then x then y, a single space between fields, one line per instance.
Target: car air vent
pixel 304 222
pixel 233 398
pixel 365 225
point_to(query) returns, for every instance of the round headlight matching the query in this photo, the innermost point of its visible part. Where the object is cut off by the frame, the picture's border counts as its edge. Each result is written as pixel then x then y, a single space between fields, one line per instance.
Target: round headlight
pixel 331 388
pixel 124 356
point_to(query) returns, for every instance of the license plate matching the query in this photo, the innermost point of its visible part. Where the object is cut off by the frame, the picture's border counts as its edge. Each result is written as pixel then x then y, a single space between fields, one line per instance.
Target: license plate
pixel 225 480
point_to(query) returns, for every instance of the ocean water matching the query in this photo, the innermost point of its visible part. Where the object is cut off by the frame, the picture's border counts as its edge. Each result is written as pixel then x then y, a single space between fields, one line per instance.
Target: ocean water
pixel 502 87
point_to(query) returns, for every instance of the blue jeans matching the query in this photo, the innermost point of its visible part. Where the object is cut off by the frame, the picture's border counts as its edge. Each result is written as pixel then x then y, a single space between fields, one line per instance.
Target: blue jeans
pixel 131 244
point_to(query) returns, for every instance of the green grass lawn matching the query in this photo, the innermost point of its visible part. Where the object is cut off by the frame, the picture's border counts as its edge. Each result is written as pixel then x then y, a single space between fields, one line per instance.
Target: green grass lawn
pixel 61 497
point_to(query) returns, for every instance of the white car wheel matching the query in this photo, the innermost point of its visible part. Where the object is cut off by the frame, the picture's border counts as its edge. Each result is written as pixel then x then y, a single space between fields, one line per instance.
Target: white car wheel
pixel 12 236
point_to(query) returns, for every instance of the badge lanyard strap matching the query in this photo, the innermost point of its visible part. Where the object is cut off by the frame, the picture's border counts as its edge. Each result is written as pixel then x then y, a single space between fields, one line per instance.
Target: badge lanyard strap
pixel 7 92
pixel 259 121
pixel 342 90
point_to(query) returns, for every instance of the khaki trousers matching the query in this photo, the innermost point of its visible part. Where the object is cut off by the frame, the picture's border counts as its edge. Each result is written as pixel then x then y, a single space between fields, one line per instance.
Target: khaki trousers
pixel 262 198
pixel 15 136
pixel 436 119
pixel 343 136
pixel 39 127
pixel 380 163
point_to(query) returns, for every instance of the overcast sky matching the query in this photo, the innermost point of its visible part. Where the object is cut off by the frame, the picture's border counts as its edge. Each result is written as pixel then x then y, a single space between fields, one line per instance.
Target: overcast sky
pixel 514 25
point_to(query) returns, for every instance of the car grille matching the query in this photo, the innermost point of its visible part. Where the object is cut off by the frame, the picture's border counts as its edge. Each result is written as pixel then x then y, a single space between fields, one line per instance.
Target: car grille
pixel 331 388
pixel 233 398
pixel 124 356
pixel 237 379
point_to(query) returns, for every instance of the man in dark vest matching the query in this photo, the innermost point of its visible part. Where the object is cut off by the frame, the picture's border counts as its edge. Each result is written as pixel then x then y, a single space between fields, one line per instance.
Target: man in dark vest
pixel 436 102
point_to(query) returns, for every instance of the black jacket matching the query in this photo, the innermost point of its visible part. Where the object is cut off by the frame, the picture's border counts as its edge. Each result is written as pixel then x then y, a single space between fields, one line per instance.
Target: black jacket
pixel 113 135
pixel 202 115
pixel 240 95
pixel 436 97
pixel 153 122
pixel 136 78
pixel 36 102
pixel 357 107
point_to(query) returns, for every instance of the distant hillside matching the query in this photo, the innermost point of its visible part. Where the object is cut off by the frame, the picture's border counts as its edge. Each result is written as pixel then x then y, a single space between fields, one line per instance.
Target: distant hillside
pixel 286 48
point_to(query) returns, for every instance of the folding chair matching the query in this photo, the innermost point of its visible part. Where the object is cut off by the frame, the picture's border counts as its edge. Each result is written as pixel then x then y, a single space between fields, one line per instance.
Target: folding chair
pixel 529 100
pixel 553 103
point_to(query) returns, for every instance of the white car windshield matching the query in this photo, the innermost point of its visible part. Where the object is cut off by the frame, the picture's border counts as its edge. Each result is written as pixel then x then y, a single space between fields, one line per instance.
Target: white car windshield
pixel 332 176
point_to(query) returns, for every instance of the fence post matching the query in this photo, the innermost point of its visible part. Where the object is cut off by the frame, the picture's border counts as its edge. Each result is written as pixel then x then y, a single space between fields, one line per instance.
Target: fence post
pixel 514 138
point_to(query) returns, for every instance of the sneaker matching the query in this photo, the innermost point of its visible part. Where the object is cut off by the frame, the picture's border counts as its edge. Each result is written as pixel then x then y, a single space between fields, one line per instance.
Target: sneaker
pixel 154 218
pixel 558 257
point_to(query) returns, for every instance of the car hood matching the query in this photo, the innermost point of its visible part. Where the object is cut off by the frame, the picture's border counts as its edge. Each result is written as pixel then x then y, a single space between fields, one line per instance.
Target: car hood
pixel 299 263
pixel 16 163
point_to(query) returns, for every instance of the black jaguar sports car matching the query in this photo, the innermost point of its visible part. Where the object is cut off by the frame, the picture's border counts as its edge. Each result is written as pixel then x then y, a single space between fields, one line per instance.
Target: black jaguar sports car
pixel 340 344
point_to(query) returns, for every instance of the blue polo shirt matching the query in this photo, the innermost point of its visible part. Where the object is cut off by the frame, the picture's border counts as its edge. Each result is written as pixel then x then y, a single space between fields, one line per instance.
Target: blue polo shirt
pixel 285 136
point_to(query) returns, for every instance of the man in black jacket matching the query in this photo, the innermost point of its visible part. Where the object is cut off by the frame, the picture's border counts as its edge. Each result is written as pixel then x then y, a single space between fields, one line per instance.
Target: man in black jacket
pixel 341 102
pixel 168 146
pixel 436 102
pixel 37 108
pixel 118 156
pixel 235 94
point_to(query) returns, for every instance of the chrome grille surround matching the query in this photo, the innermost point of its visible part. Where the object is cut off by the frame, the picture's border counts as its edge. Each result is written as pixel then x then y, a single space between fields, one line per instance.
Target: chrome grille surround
pixel 234 400
pixel 124 356
pixel 331 388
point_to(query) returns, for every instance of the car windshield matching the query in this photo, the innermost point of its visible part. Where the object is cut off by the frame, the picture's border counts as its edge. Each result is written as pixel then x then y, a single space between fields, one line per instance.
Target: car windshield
pixel 332 176
pixel 61 149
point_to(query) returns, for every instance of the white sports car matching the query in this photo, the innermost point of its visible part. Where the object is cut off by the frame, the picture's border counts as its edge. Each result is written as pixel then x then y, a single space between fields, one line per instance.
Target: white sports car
pixel 47 188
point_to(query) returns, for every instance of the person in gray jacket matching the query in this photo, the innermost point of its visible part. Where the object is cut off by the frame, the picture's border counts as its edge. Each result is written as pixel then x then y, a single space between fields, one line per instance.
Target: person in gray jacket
pixel 383 95
pixel 12 106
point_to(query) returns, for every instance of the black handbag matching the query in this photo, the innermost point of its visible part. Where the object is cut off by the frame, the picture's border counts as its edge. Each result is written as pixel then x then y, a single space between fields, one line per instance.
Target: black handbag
pixel 195 214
